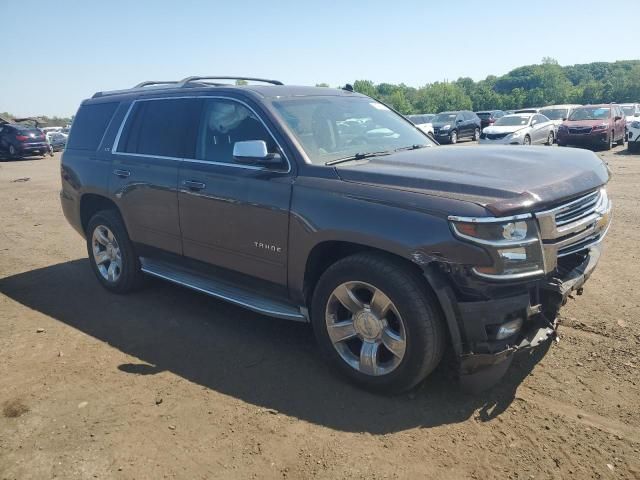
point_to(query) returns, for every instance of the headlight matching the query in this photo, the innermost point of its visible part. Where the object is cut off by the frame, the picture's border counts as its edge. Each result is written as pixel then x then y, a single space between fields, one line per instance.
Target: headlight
pixel 446 127
pixel 601 127
pixel 516 134
pixel 513 244
pixel 562 127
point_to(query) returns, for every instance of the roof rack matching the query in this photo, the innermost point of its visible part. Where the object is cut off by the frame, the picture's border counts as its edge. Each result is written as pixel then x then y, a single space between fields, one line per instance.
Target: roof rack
pixel 185 81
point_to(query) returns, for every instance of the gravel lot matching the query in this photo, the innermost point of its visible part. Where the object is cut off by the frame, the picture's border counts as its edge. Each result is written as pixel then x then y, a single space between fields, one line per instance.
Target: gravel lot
pixel 168 383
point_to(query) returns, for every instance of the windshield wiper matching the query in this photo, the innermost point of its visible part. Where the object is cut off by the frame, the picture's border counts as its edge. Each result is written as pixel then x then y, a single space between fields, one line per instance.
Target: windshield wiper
pixel 411 147
pixel 358 156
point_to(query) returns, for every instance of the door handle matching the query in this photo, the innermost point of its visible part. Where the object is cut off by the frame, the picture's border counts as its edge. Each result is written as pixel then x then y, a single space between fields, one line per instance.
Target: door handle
pixel 193 185
pixel 121 173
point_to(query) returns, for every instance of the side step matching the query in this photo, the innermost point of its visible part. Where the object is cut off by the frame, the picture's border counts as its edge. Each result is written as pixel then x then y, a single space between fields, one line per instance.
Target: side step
pixel 222 290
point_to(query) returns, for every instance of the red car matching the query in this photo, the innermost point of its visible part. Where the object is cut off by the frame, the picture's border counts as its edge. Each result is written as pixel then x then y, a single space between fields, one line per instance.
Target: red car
pixel 594 126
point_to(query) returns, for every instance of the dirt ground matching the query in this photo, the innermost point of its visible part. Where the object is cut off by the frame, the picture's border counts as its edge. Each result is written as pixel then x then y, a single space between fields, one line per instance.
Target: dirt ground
pixel 168 383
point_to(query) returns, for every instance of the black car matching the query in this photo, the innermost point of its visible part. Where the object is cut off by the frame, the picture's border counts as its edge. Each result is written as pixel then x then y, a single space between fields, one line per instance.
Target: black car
pixel 393 249
pixel 489 117
pixel 449 127
pixel 57 141
pixel 20 140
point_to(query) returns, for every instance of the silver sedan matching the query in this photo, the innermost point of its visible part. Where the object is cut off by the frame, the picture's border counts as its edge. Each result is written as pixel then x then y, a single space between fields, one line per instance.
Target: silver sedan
pixel 519 129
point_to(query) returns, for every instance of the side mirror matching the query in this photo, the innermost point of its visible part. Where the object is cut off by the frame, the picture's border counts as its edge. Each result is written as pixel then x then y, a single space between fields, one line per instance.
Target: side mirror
pixel 534 122
pixel 459 120
pixel 255 151
pixel 618 118
pixel 637 114
pixel 564 119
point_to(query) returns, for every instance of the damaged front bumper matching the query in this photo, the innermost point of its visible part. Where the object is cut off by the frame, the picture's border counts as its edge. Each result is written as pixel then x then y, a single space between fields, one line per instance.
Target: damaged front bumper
pixel 489 359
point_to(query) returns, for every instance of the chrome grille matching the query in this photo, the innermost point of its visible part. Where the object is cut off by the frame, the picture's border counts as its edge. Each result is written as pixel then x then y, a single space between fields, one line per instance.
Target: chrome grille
pixel 574 226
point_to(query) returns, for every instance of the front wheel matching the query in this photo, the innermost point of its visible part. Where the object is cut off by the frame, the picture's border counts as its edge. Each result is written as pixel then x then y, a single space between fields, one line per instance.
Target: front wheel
pixel 476 135
pixel 527 140
pixel 453 137
pixel 622 140
pixel 376 323
pixel 609 145
pixel 111 253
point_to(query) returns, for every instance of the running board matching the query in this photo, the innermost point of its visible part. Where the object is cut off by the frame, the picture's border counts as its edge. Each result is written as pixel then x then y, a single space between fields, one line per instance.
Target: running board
pixel 221 290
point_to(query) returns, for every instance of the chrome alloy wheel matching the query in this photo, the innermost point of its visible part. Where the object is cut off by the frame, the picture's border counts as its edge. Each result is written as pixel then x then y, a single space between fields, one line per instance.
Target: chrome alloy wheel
pixel 106 253
pixel 365 328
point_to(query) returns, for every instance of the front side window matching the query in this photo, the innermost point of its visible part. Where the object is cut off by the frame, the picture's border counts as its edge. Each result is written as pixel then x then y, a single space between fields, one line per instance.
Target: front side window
pixel 335 127
pixel 222 124
pixel 163 128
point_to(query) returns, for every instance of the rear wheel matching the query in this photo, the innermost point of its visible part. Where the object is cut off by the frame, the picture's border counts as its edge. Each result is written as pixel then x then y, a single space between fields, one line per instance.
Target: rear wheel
pixel 111 253
pixel 376 323
pixel 453 137
pixel 13 153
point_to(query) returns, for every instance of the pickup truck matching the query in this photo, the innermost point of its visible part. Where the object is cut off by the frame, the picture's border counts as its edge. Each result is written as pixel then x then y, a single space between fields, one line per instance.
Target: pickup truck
pixel 326 206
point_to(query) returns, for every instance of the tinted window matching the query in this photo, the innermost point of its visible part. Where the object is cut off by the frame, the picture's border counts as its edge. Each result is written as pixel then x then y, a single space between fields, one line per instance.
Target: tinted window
pixel 89 125
pixel 165 128
pixel 484 115
pixel 222 124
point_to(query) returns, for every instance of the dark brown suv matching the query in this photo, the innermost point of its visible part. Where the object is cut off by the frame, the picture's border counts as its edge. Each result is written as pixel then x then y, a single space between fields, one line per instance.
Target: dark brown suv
pixel 594 126
pixel 326 206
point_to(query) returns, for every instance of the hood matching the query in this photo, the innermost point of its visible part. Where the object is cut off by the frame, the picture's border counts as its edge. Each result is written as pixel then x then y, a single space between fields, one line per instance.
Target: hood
pixel 504 128
pixel 505 180
pixel 585 123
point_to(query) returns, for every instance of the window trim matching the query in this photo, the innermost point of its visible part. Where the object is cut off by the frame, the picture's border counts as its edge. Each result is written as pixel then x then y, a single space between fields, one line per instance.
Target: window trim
pixel 116 141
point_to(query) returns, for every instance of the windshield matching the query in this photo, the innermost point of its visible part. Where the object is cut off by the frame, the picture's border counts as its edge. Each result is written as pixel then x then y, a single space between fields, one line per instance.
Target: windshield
pixel 512 120
pixel 332 128
pixel 444 118
pixel 629 111
pixel 555 113
pixel 590 113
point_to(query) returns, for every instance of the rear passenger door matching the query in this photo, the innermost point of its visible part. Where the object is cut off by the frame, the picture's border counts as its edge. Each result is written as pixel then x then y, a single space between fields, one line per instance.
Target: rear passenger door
pixel 233 215
pixel 144 175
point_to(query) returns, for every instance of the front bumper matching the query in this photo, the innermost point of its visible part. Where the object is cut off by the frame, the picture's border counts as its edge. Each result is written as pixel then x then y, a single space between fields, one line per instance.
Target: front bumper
pixel 590 139
pixel 481 368
pixel 508 140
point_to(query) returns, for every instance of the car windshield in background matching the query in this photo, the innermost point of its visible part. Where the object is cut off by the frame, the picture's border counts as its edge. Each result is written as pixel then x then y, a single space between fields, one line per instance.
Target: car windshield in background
pixel 334 128
pixel 555 113
pixel 444 117
pixel 484 114
pixel 595 113
pixel 512 120
pixel 629 111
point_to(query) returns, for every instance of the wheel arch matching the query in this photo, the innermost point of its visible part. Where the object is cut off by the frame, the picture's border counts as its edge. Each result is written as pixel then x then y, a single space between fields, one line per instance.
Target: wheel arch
pixel 90 204
pixel 326 253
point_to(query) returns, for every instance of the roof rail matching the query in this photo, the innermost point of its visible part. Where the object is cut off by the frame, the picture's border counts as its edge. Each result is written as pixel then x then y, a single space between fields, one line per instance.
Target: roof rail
pixel 185 81
pixel 153 82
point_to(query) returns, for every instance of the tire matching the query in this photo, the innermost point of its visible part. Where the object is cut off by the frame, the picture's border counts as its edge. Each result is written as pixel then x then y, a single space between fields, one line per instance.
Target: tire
pixel 550 139
pixel 476 135
pixel 12 152
pixel 127 275
pixel 622 140
pixel 453 137
pixel 633 147
pixel 413 316
pixel 562 144
pixel 609 145
pixel 527 140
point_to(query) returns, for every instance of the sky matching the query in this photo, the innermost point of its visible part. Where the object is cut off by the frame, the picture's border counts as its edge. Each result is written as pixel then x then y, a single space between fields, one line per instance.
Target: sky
pixel 55 54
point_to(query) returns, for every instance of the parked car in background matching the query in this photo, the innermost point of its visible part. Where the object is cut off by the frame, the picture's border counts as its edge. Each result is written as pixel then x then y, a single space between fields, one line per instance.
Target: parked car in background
pixel 594 126
pixel 631 111
pixel 633 135
pixel 489 117
pixel 519 129
pixel 19 140
pixel 57 140
pixel 51 129
pixel 423 122
pixel 527 110
pixel 558 113
pixel 449 127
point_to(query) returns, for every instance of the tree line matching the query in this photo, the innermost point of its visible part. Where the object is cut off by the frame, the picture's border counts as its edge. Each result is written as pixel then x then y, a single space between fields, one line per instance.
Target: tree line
pixel 546 83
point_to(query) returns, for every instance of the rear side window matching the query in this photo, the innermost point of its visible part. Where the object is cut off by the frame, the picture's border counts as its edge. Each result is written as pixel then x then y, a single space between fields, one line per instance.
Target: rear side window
pixel 89 125
pixel 164 128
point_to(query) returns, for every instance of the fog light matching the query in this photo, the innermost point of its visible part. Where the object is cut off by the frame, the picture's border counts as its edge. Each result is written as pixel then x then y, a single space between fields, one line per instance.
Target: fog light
pixel 508 329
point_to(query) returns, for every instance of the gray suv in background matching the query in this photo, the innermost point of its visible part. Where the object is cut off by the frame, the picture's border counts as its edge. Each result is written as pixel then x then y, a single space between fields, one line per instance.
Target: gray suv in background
pixel 325 206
